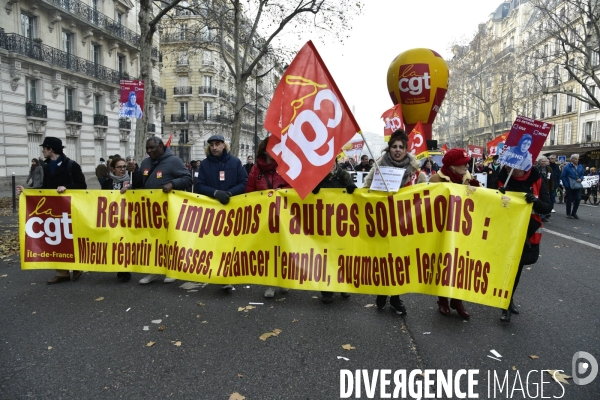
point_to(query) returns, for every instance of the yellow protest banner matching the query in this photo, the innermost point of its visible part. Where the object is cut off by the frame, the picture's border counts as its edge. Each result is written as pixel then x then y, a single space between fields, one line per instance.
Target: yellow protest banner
pixel 437 238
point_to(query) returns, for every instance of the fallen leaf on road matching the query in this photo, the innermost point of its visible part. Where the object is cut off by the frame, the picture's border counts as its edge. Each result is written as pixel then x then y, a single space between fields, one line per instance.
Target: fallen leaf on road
pixel 150 344
pixel 34 312
pixel 240 376
pixel 528 268
pixel 280 299
pixel 274 332
pixel 370 305
pixel 534 357
pixel 156 321
pixel 197 315
pixel 557 247
pixel 348 347
pixel 99 299
pixel 246 309
pixel 315 297
pixel 557 376
pixel 177 343
pixel 205 322
pixel 294 320
pixel 236 396
pixel 514 368
pixel 201 303
pixel 3 276
pixel 161 328
pixel 49 347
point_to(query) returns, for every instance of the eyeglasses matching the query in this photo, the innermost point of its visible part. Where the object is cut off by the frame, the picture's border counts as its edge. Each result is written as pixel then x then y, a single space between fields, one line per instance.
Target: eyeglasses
pixel 121 166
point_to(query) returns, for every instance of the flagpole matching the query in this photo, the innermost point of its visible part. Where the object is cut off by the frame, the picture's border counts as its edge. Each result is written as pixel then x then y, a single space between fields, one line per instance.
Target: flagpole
pixel 375 160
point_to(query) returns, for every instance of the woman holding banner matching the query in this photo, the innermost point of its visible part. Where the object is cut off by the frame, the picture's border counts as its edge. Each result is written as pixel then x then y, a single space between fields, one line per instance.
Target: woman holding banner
pixel 118 179
pixel 536 192
pixel 397 155
pixel 455 169
pixel 263 176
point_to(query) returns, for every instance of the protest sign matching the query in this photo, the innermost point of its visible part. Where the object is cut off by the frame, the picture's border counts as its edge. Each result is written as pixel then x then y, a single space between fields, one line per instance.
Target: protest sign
pixel 524 142
pixel 589 181
pixel 475 152
pixel 132 99
pixel 482 178
pixel 494 146
pixel 393 179
pixel 438 239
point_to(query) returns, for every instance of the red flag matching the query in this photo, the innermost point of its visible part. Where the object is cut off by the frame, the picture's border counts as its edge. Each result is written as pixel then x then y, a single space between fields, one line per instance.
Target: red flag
pixel 417 146
pixel 393 121
pixel 492 145
pixel 309 121
pixel 168 144
pixel 444 148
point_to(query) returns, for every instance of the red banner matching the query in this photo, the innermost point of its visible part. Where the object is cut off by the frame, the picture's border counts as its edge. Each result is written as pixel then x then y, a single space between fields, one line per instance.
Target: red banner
pixel 309 121
pixel 417 146
pixel 444 148
pixel 168 144
pixel 475 151
pixel 132 99
pixel 393 121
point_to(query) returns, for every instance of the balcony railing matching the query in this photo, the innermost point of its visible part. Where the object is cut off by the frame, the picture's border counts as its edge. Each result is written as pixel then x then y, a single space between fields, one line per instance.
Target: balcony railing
pixel 36 110
pixel 182 90
pixel 27 47
pixel 108 25
pixel 124 123
pixel 73 116
pixel 151 128
pixel 182 117
pixel 101 120
pixel 207 90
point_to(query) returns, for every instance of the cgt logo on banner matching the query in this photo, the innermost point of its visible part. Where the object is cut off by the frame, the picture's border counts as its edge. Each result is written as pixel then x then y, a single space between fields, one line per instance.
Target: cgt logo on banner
pixel 309 120
pixel 48 230
pixel 414 83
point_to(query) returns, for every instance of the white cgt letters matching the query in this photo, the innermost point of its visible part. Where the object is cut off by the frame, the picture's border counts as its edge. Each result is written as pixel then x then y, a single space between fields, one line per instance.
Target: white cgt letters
pixel 308 147
pixel 414 85
pixel 52 228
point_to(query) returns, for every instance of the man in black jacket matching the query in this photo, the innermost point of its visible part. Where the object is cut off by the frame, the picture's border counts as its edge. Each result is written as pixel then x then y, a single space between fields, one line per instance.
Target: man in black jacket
pixel 60 173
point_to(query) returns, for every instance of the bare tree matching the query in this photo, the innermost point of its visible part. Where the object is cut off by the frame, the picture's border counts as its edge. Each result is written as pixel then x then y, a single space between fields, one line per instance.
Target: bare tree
pixel 245 32
pixel 563 43
pixel 148 25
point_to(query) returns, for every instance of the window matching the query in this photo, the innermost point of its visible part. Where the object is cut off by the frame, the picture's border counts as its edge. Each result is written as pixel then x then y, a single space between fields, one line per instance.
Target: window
pixel 183 137
pixel 98 104
pixel 183 58
pixel 69 99
pixel 207 110
pixel 182 81
pixel 567 133
pixel 32 91
pixel 121 63
pixel 556 76
pixel 569 102
pixel 543 108
pixel 28 26
pixel 208 58
pixel 208 81
pixel 592 89
pixel 595 58
pixel 96 52
pixel 588 130
pixel 571 68
pixel 120 18
pixel 206 34
pixel 554 104
pixel 183 109
pixel 182 31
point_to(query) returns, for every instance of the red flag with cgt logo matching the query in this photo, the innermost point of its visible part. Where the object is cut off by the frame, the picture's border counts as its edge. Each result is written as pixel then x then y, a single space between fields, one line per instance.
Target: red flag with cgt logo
pixel 309 121
pixel 417 146
pixel 393 121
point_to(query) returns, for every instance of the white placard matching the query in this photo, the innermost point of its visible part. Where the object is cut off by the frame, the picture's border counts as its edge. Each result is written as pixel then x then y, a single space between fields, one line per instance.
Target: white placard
pixel 589 181
pixel 393 179
pixel 482 178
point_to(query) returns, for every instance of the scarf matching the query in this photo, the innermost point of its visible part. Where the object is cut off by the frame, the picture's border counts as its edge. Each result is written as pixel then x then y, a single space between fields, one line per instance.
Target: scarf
pixel 221 157
pixel 262 164
pixel 119 179
pixel 454 177
pixel 522 178
pixel 406 163
pixel 53 164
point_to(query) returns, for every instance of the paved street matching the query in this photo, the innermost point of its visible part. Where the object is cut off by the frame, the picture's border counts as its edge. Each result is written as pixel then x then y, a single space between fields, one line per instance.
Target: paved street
pixel 86 339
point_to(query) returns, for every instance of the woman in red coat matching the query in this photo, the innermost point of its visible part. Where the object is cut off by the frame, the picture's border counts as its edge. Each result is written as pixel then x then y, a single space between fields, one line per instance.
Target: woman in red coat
pixel 264 176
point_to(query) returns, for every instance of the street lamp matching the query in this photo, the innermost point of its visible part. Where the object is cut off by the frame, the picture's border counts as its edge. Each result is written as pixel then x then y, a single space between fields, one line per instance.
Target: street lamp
pixel 256 108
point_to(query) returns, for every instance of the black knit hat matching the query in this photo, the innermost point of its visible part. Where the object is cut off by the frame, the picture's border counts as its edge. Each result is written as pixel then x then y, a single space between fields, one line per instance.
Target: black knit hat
pixel 52 142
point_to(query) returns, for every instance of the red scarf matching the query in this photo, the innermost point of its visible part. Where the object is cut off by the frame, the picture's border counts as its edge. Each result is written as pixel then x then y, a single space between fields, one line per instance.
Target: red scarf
pixel 454 177
pixel 522 178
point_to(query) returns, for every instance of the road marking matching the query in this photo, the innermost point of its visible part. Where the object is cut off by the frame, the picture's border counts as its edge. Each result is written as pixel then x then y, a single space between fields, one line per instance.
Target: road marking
pixel 595 246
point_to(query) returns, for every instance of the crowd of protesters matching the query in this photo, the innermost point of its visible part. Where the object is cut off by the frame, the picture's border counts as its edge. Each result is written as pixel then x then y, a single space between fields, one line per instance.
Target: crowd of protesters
pixel 222 176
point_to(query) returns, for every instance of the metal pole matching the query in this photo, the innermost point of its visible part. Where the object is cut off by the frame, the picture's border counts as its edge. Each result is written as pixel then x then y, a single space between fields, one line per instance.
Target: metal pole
pixel 14 193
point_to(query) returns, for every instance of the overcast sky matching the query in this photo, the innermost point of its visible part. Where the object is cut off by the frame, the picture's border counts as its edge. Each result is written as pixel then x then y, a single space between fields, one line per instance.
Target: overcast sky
pixel 386 29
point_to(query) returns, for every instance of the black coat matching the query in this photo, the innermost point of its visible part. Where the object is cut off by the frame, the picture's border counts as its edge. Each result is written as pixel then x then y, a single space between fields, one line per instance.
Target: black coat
pixel 61 176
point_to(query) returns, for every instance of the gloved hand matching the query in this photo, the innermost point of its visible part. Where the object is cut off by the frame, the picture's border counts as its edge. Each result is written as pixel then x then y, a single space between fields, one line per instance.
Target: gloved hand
pixel 474 182
pixel 502 190
pixel 350 188
pixel 530 198
pixel 222 196
pixel 316 190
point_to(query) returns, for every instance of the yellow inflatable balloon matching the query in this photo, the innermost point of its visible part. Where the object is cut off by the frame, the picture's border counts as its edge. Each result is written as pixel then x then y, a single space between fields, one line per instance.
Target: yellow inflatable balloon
pixel 418 80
